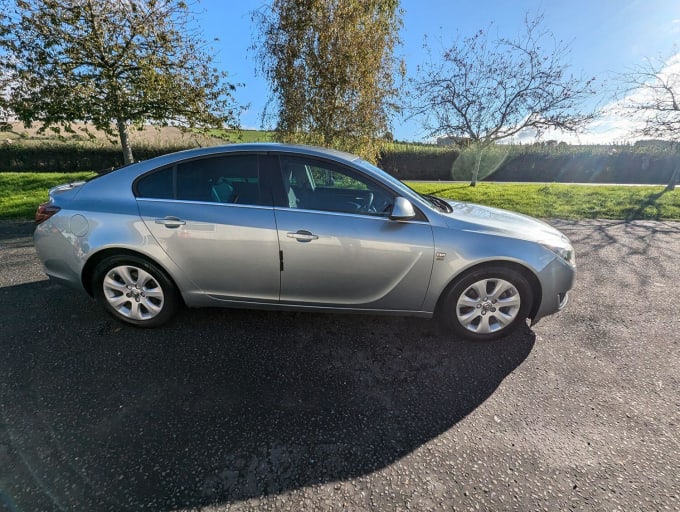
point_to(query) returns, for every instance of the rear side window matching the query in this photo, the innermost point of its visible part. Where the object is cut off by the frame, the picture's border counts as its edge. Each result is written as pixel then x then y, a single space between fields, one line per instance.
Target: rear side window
pixel 221 179
pixel 157 185
pixel 224 179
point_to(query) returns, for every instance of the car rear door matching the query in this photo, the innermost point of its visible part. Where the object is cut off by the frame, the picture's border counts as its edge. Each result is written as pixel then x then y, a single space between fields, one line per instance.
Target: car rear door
pixel 214 218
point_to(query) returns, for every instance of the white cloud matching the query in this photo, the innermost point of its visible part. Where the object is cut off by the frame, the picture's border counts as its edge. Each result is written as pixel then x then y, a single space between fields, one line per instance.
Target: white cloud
pixel 612 126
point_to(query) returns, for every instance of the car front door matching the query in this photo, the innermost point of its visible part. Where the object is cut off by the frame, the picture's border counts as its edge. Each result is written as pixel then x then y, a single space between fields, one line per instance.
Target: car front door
pixel 339 246
pixel 215 220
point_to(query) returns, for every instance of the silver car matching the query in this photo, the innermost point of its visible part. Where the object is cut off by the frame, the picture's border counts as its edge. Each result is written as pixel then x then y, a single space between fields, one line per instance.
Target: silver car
pixel 298 228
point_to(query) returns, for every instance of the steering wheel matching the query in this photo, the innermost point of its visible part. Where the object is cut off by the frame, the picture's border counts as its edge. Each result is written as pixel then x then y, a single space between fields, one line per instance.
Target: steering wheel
pixel 368 203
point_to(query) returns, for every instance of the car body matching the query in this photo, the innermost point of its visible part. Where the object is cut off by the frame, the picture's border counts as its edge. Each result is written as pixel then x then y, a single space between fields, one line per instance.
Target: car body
pixel 296 227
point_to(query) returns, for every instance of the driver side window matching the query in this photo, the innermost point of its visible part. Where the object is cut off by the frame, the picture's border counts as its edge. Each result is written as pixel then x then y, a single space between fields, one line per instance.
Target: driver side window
pixel 316 185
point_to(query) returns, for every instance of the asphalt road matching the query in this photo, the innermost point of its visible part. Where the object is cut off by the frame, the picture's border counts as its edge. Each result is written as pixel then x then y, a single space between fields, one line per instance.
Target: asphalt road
pixel 239 410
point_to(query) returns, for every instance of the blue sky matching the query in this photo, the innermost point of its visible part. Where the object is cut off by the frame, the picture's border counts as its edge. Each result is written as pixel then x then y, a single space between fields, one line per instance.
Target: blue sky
pixel 605 36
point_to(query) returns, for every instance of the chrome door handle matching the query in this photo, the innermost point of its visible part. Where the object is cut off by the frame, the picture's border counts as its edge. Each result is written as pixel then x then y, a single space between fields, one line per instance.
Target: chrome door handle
pixel 302 236
pixel 171 222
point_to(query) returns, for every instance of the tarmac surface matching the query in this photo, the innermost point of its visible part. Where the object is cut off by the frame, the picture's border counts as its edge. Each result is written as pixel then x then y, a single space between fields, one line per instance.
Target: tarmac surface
pixel 245 410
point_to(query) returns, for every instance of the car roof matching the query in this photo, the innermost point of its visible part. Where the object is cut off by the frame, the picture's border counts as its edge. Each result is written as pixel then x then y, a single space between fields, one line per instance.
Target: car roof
pixel 263 147
pixel 113 183
pixel 130 172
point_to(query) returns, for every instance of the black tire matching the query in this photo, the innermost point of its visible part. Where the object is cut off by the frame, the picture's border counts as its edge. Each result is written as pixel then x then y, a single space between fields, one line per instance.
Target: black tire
pixel 135 291
pixel 505 301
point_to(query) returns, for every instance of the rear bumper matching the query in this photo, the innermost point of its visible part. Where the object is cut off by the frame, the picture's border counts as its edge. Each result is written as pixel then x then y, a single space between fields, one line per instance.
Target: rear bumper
pixel 69 283
pixel 60 254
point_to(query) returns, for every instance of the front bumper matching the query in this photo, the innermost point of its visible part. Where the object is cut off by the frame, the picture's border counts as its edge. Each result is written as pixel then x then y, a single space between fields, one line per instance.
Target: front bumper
pixel 556 280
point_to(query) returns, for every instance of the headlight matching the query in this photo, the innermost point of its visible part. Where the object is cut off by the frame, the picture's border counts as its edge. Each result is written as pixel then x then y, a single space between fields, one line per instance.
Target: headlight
pixel 566 252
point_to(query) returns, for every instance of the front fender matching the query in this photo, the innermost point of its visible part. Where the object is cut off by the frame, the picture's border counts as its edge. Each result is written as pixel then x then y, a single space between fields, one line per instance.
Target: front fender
pixel 457 251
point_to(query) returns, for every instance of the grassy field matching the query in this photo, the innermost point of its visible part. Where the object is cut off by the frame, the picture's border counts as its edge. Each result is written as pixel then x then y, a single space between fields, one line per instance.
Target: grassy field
pixel 20 194
pixel 566 201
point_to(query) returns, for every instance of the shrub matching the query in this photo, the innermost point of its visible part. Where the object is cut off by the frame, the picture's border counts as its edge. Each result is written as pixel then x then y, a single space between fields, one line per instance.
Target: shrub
pixel 69 156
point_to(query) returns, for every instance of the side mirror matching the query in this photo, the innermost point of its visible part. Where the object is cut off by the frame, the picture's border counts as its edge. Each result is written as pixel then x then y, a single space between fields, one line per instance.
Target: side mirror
pixel 402 209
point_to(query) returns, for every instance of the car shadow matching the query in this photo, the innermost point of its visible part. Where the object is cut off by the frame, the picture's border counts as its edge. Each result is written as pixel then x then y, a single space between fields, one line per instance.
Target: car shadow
pixel 221 405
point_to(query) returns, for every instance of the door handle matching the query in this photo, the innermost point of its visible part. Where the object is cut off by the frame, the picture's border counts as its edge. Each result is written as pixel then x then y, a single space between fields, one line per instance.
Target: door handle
pixel 302 236
pixel 171 222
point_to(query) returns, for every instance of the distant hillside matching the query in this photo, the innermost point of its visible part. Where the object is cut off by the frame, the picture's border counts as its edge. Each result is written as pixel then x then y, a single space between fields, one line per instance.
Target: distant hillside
pixel 157 136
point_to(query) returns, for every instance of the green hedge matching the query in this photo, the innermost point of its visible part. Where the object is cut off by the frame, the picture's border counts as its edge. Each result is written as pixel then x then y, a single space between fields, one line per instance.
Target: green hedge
pixel 406 162
pixel 64 157
pixel 418 163
pixel 619 167
pixel 577 165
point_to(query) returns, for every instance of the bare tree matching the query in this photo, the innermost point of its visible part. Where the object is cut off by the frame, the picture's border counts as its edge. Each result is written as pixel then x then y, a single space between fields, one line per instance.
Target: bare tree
pixel 486 89
pixel 651 99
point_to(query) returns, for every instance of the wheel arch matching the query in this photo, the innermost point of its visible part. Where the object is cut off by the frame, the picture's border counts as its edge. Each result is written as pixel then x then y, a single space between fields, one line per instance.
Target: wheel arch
pixel 527 273
pixel 87 273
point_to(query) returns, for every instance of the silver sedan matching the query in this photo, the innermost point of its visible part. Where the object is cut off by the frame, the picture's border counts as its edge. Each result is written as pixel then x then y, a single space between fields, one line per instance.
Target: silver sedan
pixel 299 228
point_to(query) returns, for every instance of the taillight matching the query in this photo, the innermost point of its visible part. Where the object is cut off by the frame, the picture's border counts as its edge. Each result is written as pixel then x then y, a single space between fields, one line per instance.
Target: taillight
pixel 45 211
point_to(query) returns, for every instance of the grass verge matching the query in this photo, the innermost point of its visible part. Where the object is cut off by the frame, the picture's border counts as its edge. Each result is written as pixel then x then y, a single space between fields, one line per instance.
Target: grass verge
pixel 566 201
pixel 21 193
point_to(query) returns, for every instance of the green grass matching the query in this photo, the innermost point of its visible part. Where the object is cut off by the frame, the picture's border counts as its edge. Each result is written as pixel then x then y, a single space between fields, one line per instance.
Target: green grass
pixel 566 201
pixel 21 193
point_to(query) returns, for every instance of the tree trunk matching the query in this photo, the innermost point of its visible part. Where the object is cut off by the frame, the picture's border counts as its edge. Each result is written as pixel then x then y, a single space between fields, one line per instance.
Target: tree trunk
pixel 674 178
pixel 124 134
pixel 475 170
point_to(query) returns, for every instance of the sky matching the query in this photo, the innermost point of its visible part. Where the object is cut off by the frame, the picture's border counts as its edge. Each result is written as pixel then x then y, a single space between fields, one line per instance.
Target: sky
pixel 606 37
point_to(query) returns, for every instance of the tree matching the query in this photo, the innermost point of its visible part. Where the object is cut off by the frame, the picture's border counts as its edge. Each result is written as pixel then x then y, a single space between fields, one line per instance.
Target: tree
pixel 115 64
pixel 652 101
pixel 486 89
pixel 332 71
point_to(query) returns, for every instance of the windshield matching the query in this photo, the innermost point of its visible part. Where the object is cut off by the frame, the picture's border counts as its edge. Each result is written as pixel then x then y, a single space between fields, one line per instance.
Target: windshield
pixel 435 202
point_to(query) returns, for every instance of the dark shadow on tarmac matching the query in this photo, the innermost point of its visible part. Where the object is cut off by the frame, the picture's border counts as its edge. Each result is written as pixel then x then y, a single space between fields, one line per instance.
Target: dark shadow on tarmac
pixel 220 405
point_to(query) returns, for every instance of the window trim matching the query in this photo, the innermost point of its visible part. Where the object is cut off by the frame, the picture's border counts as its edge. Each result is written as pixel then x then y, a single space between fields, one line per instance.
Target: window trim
pixel 264 185
pixel 278 192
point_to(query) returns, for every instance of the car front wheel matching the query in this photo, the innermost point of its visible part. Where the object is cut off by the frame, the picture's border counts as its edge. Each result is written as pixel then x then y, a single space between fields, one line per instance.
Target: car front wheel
pixel 487 304
pixel 135 291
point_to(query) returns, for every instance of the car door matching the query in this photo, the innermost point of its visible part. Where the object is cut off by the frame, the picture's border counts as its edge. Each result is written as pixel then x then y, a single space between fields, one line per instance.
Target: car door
pixel 214 218
pixel 339 247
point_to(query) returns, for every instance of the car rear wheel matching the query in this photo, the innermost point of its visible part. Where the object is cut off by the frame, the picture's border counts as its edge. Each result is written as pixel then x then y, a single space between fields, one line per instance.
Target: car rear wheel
pixel 486 304
pixel 135 291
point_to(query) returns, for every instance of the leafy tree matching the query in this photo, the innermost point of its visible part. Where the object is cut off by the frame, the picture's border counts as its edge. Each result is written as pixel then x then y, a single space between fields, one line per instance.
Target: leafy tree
pixel 114 64
pixel 332 70
pixel 483 89
pixel 652 101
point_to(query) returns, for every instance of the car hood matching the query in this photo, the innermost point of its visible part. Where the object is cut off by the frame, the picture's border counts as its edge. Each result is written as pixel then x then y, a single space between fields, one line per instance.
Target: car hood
pixel 485 219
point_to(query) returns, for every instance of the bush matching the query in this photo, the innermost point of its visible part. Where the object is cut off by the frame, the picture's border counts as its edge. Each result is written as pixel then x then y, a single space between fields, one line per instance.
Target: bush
pixel 492 159
pixel 535 163
pixel 559 163
pixel 69 157
pixel 618 167
pixel 417 162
